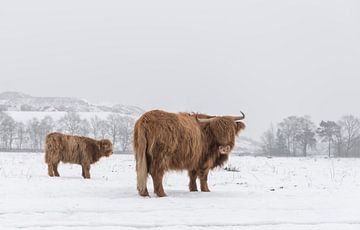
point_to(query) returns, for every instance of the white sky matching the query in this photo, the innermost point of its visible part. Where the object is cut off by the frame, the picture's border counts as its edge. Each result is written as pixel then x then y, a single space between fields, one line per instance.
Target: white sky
pixel 270 59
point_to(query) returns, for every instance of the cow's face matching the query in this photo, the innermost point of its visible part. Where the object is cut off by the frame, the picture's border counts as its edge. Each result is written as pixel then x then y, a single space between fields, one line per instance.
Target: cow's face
pixel 225 130
pixel 106 147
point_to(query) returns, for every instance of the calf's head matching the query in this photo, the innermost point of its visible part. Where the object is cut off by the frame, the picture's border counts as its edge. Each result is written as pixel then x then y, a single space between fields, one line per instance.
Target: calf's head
pixel 106 147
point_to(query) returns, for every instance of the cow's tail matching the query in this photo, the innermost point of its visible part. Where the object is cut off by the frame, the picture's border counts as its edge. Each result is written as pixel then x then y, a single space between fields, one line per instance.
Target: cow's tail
pixel 140 145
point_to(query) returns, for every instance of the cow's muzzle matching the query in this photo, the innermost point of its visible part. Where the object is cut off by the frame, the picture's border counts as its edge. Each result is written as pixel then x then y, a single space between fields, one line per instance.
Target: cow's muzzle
pixel 224 149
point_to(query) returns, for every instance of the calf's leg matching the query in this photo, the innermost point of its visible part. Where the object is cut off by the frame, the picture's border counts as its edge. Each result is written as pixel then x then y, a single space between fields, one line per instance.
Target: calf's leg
pixel 192 183
pixel 86 171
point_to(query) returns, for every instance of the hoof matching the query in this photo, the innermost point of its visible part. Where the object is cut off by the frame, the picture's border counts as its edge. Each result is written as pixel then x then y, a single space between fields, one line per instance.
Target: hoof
pixel 144 194
pixel 161 194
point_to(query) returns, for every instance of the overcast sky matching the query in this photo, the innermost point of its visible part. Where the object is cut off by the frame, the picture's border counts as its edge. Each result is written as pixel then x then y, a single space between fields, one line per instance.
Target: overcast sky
pixel 270 59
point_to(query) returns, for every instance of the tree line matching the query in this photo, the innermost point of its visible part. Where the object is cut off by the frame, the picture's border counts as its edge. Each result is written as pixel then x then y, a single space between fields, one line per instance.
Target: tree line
pixel 30 136
pixel 296 136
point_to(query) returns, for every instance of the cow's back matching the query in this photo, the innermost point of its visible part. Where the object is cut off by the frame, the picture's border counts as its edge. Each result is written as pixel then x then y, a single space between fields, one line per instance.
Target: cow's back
pixel 173 140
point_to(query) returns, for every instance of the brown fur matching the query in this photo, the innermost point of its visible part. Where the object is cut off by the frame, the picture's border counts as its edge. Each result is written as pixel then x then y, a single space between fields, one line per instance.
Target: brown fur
pixel 74 149
pixel 167 141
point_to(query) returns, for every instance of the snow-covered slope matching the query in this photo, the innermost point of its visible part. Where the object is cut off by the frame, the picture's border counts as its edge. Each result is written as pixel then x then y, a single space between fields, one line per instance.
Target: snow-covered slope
pixel 15 101
pixel 246 146
pixel 277 193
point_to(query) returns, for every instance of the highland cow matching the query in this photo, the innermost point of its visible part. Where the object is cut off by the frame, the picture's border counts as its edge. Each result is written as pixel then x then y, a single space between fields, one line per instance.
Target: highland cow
pixel 74 149
pixel 182 141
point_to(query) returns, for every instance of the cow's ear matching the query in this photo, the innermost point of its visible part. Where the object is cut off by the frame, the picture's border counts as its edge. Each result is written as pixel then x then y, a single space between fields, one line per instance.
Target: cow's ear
pixel 240 126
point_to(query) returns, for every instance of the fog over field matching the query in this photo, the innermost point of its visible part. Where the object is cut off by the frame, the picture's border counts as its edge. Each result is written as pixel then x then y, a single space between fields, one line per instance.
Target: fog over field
pixel 92 68
pixel 270 59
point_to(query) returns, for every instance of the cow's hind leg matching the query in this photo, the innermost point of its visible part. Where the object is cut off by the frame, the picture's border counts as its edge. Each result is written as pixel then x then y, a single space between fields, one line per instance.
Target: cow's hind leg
pixel 203 175
pixel 157 176
pixel 82 171
pixel 192 183
pixel 55 168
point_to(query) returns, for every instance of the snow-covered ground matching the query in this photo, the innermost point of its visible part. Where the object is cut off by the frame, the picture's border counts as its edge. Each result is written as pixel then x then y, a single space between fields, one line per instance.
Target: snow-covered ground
pixel 277 193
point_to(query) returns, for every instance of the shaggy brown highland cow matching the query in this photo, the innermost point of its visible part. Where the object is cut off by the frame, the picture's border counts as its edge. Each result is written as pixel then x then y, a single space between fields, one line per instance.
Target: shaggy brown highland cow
pixel 74 149
pixel 182 141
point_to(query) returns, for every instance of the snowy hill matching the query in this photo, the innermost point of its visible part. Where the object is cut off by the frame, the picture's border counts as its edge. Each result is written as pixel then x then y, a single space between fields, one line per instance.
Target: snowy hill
pixel 22 108
pixel 15 101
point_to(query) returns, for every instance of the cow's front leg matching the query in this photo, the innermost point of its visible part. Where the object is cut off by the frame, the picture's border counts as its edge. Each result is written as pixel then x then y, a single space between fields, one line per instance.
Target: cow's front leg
pixel 157 176
pixel 50 170
pixel 192 183
pixel 203 175
pixel 86 171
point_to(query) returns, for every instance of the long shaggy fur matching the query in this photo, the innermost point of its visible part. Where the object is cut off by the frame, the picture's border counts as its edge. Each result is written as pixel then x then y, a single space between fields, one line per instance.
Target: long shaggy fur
pixel 168 141
pixel 74 149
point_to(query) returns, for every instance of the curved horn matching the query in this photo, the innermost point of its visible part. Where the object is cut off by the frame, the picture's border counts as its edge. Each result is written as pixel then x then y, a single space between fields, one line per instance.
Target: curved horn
pixel 204 120
pixel 239 118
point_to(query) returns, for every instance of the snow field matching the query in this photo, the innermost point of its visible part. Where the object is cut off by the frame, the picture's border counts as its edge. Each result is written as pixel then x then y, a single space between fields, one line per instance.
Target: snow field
pixel 260 193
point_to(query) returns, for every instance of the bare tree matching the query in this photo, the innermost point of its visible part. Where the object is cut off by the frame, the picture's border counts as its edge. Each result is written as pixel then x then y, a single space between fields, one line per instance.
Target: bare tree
pixel 114 122
pixel 2 135
pixel 126 131
pixel 47 125
pixel 70 123
pixel 84 127
pixel 350 127
pixel 328 131
pixel 339 142
pixel 21 134
pixel 280 144
pixel 95 123
pixel 268 140
pixel 103 129
pixel 299 133
pixel 34 131
pixel 289 128
pixel 305 134
pixel 8 128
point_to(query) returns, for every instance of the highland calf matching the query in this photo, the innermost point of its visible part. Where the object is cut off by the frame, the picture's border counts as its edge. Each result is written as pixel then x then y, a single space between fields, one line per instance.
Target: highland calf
pixel 182 141
pixel 74 149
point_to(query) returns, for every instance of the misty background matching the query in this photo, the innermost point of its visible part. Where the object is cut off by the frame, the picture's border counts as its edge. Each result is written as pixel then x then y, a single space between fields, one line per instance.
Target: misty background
pixel 270 59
